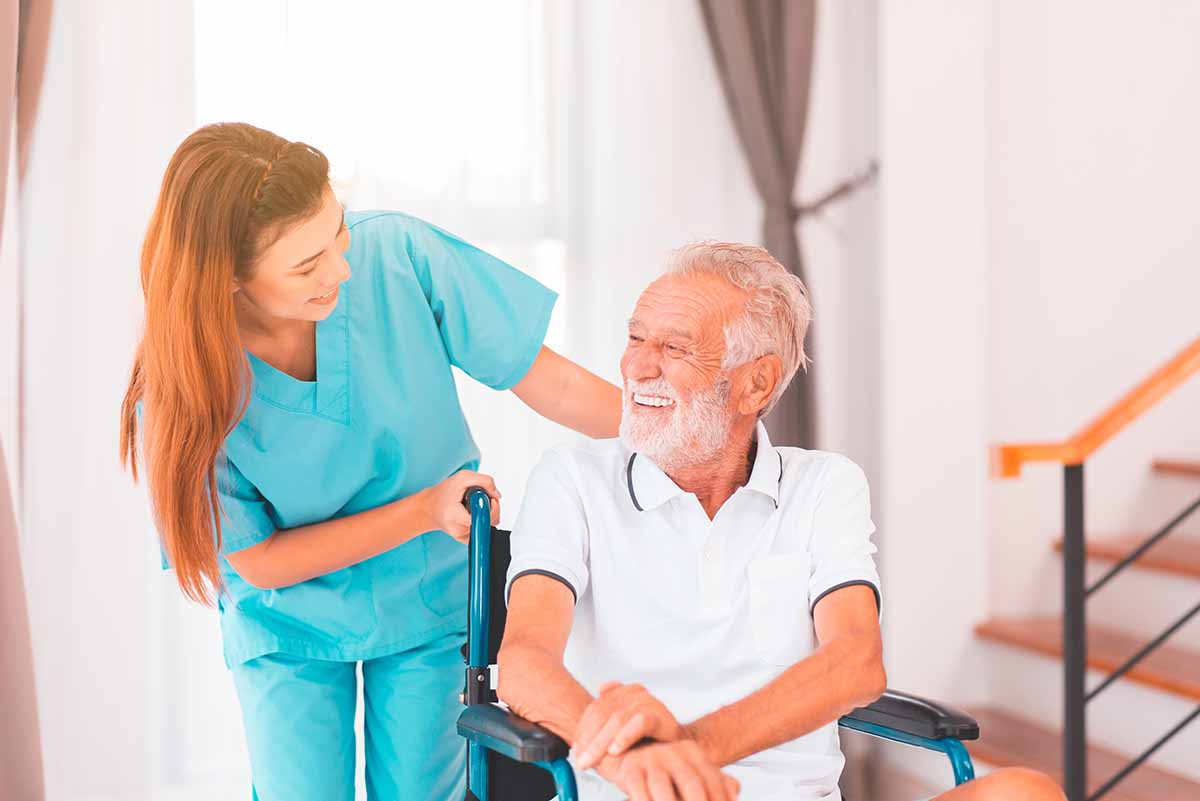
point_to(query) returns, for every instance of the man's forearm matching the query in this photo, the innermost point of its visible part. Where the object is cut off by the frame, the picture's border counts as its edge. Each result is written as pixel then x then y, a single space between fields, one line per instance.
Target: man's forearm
pixel 536 686
pixel 838 677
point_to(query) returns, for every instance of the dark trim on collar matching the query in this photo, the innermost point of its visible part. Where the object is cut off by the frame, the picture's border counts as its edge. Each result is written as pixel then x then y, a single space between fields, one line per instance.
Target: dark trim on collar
pixel 638 506
pixel 629 482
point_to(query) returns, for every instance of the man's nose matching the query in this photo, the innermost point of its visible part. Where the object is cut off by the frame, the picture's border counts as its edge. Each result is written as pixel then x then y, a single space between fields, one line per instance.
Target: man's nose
pixel 643 363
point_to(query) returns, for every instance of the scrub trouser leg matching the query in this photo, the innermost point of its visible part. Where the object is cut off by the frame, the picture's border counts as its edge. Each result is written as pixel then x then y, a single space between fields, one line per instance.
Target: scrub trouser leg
pixel 299 719
pixel 412 747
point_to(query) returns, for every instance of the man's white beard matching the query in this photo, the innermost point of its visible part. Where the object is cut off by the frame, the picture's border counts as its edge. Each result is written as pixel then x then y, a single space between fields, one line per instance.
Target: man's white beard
pixel 692 434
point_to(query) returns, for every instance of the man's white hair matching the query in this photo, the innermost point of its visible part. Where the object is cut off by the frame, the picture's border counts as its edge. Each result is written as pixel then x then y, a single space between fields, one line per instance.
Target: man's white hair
pixel 777 312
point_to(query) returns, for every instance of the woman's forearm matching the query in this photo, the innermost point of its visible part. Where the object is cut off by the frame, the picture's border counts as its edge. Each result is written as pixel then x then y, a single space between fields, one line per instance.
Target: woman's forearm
pixel 291 556
pixel 560 390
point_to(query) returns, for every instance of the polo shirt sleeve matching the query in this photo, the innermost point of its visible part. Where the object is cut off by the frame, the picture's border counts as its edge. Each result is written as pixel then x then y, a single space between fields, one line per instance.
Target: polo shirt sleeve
pixel 245 513
pixel 550 537
pixel 492 317
pixel 841 547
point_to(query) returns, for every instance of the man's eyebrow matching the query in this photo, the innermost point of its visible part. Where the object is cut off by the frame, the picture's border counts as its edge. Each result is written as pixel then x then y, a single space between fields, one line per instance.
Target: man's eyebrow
pixel 673 332
pixel 299 264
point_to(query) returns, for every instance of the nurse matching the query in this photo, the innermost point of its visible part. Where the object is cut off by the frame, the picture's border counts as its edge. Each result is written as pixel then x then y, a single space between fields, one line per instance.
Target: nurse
pixel 306 456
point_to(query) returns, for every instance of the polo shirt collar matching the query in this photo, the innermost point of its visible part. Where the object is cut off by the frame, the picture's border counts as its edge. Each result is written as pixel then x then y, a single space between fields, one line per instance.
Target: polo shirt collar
pixel 649 487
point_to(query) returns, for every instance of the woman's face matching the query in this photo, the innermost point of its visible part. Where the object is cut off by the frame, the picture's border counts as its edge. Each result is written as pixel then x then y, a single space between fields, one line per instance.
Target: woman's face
pixel 298 276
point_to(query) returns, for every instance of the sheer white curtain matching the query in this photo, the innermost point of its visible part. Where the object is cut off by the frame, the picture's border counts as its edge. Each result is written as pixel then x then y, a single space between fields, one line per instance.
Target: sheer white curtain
pixel 579 141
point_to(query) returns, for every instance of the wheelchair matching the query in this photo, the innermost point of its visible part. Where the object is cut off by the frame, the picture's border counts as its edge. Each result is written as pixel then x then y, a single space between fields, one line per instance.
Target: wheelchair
pixel 512 759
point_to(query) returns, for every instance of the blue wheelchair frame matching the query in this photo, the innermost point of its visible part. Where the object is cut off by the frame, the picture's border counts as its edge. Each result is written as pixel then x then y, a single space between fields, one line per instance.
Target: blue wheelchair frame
pixel 896 716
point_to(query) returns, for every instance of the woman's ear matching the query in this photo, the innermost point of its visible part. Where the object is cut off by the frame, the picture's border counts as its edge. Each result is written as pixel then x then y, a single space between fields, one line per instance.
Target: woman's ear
pixel 762 377
pixel 234 287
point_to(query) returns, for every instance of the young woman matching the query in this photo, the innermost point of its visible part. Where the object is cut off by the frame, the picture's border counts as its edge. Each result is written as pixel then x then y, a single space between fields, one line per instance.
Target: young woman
pixel 306 455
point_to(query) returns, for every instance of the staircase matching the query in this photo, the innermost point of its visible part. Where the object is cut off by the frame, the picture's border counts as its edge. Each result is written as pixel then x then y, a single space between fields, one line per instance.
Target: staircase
pixel 1154 674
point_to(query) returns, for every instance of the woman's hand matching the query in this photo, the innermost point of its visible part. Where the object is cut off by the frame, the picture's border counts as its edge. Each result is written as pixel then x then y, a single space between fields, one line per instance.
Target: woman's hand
pixel 444 503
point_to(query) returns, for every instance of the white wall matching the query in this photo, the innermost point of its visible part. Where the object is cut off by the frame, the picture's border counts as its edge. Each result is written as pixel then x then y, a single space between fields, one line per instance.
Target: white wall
pixel 933 266
pixel 1094 246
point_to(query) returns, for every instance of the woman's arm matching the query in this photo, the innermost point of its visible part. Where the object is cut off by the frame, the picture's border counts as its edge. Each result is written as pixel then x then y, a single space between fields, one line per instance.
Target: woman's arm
pixel 560 390
pixel 294 555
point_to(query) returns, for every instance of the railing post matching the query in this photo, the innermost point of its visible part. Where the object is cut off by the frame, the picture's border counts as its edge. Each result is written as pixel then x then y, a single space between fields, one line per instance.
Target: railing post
pixel 1074 637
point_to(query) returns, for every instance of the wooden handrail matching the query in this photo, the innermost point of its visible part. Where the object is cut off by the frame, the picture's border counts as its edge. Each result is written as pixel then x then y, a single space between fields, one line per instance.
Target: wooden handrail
pixel 1008 459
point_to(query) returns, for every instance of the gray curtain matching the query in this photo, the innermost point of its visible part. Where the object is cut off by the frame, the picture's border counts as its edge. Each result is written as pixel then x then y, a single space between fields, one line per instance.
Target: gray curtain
pixel 24 29
pixel 763 52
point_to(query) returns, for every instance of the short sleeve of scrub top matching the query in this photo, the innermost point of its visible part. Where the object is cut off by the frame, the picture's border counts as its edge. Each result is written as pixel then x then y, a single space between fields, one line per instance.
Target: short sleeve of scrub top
pixel 477 301
pixel 381 422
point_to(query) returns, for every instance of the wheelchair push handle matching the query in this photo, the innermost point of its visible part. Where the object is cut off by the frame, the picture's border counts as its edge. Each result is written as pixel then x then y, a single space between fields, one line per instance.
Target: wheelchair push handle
pixel 479 504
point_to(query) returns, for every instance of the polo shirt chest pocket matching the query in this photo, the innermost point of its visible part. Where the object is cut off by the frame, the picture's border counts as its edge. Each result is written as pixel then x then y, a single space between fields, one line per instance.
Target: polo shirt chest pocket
pixel 779 618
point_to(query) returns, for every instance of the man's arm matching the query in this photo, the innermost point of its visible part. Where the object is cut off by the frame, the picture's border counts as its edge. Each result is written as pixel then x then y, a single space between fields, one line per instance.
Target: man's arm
pixel 533 681
pixel 844 673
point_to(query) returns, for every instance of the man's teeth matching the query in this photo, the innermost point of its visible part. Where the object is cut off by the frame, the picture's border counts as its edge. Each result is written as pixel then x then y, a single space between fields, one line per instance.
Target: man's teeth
pixel 652 400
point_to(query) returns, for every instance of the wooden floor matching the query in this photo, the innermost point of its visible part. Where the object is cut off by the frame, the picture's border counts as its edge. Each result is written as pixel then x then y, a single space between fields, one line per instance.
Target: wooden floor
pixel 1008 740
pixel 1169 667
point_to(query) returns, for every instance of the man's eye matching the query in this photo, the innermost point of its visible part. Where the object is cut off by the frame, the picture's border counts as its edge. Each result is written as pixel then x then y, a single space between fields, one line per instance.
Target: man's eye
pixel 634 338
pixel 675 349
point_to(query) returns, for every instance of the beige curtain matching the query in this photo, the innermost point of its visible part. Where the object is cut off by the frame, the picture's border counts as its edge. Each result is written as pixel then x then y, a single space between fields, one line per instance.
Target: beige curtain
pixel 24 29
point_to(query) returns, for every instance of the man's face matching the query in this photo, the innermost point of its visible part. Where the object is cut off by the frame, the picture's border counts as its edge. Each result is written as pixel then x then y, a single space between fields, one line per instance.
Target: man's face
pixel 678 406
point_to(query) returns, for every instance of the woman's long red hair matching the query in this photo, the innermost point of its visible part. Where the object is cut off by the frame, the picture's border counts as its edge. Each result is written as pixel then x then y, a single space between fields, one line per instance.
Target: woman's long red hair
pixel 229 192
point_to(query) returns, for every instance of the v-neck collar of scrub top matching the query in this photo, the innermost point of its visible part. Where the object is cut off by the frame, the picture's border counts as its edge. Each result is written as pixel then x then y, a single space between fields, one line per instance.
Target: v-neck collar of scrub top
pixel 329 395
pixel 649 487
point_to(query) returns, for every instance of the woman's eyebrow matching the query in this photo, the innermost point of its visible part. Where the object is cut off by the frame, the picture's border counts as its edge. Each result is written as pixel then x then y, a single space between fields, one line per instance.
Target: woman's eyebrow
pixel 341 225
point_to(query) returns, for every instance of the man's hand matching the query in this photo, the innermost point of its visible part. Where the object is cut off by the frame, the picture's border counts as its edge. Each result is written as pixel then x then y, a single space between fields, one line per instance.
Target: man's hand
pixel 676 771
pixel 620 716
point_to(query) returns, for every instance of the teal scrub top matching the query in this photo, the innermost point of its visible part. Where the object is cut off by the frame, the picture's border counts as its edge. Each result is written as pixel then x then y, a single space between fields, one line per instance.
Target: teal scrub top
pixel 381 422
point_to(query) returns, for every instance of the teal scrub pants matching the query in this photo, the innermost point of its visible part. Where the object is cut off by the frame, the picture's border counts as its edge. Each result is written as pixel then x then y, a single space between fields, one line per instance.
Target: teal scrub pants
pixel 299 719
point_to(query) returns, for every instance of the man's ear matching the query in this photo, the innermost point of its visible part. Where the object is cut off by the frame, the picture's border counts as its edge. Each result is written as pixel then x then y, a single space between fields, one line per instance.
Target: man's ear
pixel 761 378
pixel 234 287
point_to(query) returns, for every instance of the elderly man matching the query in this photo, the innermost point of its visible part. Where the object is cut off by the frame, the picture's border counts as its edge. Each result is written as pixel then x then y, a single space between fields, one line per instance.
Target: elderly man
pixel 690 598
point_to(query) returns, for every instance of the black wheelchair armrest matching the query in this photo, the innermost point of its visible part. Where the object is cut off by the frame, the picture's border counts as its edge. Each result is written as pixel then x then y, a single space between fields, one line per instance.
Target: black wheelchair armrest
pixel 918 716
pixel 499 730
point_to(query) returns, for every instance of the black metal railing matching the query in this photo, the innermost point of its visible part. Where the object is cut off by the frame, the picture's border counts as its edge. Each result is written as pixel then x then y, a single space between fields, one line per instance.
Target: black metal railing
pixel 1075 595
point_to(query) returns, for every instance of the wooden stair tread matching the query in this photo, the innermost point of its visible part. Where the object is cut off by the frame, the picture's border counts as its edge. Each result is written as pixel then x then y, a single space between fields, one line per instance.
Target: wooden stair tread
pixel 1175 553
pixel 1177 467
pixel 1007 740
pixel 1169 667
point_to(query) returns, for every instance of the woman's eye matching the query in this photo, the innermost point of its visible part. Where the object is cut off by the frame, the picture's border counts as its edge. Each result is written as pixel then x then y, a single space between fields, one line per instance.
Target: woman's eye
pixel 309 271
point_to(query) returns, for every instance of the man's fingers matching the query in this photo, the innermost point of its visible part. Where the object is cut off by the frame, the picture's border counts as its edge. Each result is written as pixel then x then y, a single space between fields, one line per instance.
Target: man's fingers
pixel 634 729
pixel 634 783
pixel 690 784
pixel 659 783
pixel 732 787
pixel 608 685
pixel 589 724
pixel 598 745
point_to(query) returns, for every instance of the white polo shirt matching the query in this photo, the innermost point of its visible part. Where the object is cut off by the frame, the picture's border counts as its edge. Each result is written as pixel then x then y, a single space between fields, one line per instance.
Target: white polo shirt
pixel 701 612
